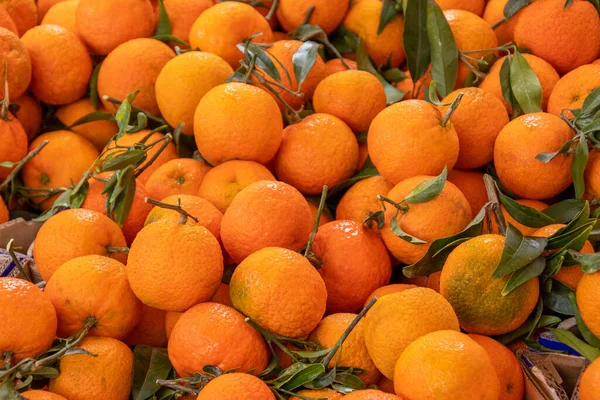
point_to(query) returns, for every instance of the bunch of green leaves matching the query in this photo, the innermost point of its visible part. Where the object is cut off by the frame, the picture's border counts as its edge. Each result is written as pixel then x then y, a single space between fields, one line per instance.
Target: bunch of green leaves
pixel 520 85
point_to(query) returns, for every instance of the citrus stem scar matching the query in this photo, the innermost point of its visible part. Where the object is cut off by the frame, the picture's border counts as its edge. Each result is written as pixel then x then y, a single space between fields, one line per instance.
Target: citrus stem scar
pixel 183 215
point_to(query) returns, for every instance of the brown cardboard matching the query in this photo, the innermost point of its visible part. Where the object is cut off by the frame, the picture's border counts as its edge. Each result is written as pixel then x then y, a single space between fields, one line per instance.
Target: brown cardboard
pixel 23 232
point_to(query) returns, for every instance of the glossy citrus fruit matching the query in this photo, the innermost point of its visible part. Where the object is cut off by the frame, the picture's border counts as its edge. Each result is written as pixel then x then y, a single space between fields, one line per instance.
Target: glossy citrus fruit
pixel 573 88
pixel 389 289
pixel 236 386
pixel 587 300
pixel 361 199
pixel 41 395
pixel 327 14
pixel 471 184
pixel 63 14
pixel 589 385
pixel 474 6
pixel 22 12
pixel 14 52
pixel 177 176
pixel 182 15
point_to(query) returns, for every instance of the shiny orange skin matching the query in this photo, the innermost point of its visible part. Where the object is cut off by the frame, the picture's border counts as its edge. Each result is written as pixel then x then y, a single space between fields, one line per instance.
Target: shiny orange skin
pixel 494 12
pixel 389 289
pixel 97 287
pixel 328 394
pixel 61 66
pixel 573 88
pixel 236 386
pixel 14 137
pixel 63 14
pixel 28 319
pixel 41 395
pixel 471 184
pixel 361 199
pixel 22 12
pixel 105 25
pixel 7 22
pixel 214 334
pixel 150 330
pixel 474 6
pixel 74 233
pixel 177 176
pixel 171 318
pixel 13 51
pixel 261 285
pixel 589 385
pixel 525 230
pixel 517 145
pixel 587 301
pixel 336 65
pixel 3 211
pixel 370 394
pixel 327 14
pixel 29 114
pixel 183 14
pixel 406 139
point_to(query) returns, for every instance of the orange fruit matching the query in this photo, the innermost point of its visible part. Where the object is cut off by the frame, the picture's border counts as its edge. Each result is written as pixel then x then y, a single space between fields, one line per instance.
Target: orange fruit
pixel 29 114
pixel 478 120
pixel 471 184
pixel 336 65
pixel 225 111
pixel 328 394
pixel 370 394
pixel 222 295
pixel 361 199
pixel 236 386
pixel 557 39
pixel 443 364
pixel 63 14
pixel 508 369
pixel 265 214
pixel 525 230
pixel 134 65
pixel 406 139
pixel 14 52
pixel 3 211
pixel 221 27
pixel 41 395
pixel 97 132
pixel 445 215
pixel 399 318
pixel 105 25
pixel 177 273
pixel 326 216
pixel 230 341
pixel 517 145
pixel 183 81
pixel 177 176
pixel 318 151
pixel 183 13
pixel 353 352
pixel 44 5
pixel 389 289
pixel 592 175
pixel 7 22
pixel 93 287
pixel 261 286
pixel 587 301
pixel 573 88
pixel 327 14
pixel 74 233
pixel 589 385
pixel 433 281
pixel 474 6
pixel 222 183
pixel 494 12
pixel 353 263
pixel 362 20
pixel 476 297
pixel 407 85
pixel 22 12
pixel 28 319
pixel 171 318
pixel 54 51
pixel 363 154
pixel 106 376
pixel 15 138
pixel 150 330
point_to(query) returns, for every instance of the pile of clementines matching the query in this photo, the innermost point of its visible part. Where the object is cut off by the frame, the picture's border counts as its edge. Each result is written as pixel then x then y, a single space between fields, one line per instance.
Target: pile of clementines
pixel 297 199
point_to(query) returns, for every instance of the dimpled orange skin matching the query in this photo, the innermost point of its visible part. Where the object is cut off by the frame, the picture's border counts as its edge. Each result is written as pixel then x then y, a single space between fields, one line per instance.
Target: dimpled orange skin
pixel 474 6
pixel 237 121
pixel 573 88
pixel 104 25
pixel 353 352
pixel 41 395
pixel 326 393
pixel 443 365
pixel 589 385
pixel 236 386
pixel 525 230
pixel 478 120
pixel 28 319
pixel 174 277
pixel 63 14
pixel 22 12
pixel 14 137
pixel 558 39
pixel 223 182
pixel 471 184
pixel 399 318
pixel 336 65
pixel 7 22
pixel 354 262
pixel 327 14
pixel 3 211
pixel 221 27
pixel 134 65
pixel 406 139
pixel 592 175
pixel 214 334
pixel 61 66
pixel 93 286
pixel 362 20
pixel 389 289
pixel 13 51
pixel 97 132
pixel 370 394
pixel 261 285
pixel 29 114
pixel 178 176
pixel 104 377
pixel 150 330
pixel 587 301
pixel 517 145
pixel 318 151
pixel 183 14
pixel 444 215
pixel 361 199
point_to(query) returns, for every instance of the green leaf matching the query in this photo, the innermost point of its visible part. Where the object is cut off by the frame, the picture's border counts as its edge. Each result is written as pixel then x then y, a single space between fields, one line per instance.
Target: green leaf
pixel 523 214
pixel 416 41
pixel 428 190
pixel 506 87
pixel 149 364
pixel 518 251
pixel 164 24
pixel 520 276
pixel 396 230
pixel 567 337
pixel 590 263
pixel 574 239
pixel 308 374
pixel 78 194
pixel 568 3
pixel 514 6
pixel 564 211
pixel 367 171
pixel 133 157
pixel 394 75
pixel 62 202
pixel 388 12
pixel 539 309
pixel 557 299
pixel 94 85
pixel 528 326
pixel 287 374
pixel 590 106
pixel 578 166
pixel 363 62
pixel 525 84
pixel 349 380
pixel 589 337
pixel 122 196
pixel 8 164
pixel 303 60
pixel 546 157
pixel 171 39
pixel 444 53
pixel 433 97
pixel 553 265
pixel 124 114
pixel 322 381
pixel 91 117
pixel 262 61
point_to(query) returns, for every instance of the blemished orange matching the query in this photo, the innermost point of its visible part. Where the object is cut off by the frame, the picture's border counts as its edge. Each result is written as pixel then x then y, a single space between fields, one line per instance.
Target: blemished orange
pixel 478 120
pixel 517 145
pixel 22 12
pixel 265 214
pixel 14 52
pixel 106 376
pixel 41 395
pixel 261 285
pixel 554 32
pixel 389 289
pixel 493 13
pixel 171 318
pixel 589 385
pixel 444 215
pixel 229 341
pixel 337 95
pixel 63 14
pixel 14 137
pixel 134 65
pixel 361 199
pixel 182 83
pixel 221 27
pixel 327 14
pixel 407 139
pixel 177 176
pixel 442 365
pixel 474 6
pixel 3 211
pixel 236 386
pixel 97 132
pixel 107 24
pixel 183 13
pixel 336 65
pixel 150 329
pixel 7 22
pixel 471 184
pixel 592 175
pixel 573 88
pixel 29 114
pixel 508 369
pixel 177 273
pixel 237 121
pixel 353 263
pixel 222 183
pixel 362 20
pixel 60 65
pixel 587 301
pixel 222 295
pixel 353 352
pixel 525 230
pixel 476 297
pixel 93 287
pixel 44 5
pixel 28 319
pixel 399 318
pixel 326 393
pixel 74 233
pixel 318 151
pixel 370 394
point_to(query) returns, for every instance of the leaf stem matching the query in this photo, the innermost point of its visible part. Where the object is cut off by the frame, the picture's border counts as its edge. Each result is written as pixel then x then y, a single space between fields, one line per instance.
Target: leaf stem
pixel 271 13
pixel 498 23
pixel 151 116
pixel 21 163
pixel 311 239
pixel 272 338
pixel 183 215
pixel 13 256
pixel 177 387
pixel 167 138
pixel 451 110
pixel 113 249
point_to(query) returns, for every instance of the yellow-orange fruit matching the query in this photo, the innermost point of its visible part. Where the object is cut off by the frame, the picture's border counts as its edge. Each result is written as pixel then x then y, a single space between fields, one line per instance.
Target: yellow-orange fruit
pixel 29 114
pixel 150 329
pixel 589 385
pixel 14 138
pixel 336 65
pixel 178 176
pixel 493 13
pixel 41 395
pixel 236 386
pixel 63 14
pixel 587 301
pixel 474 6
pixel 361 199
pixel 97 132
pixel 389 289
pixel 3 211
pixel 7 22
pixel 471 184
pixel 573 88
pixel 22 12
pixel 327 14
pixel 328 394
pixel 183 13
pixel 370 394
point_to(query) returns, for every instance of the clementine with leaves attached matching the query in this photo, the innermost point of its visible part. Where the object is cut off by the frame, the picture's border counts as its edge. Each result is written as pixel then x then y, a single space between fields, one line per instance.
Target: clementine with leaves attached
pixel 327 14
pixel 525 230
pixel 183 13
pixel 236 386
pixel 13 51
pixel 573 88
pixel 177 176
pixel 587 301
pixel 471 184
pixel 361 199
pixel 29 114
pixel 15 138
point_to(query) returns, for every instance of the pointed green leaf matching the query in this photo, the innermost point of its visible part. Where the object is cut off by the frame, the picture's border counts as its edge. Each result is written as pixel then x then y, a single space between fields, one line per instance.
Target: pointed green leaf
pixel 349 380
pixel 539 309
pixel 124 114
pixel 523 214
pixel 518 251
pixel 514 6
pixel 363 62
pixel 263 61
pixel 528 326
pixel 574 239
pixel 567 337
pixel 303 60
pixel 428 190
pixel 589 337
pixel 525 85
pixel 578 166
pixel 546 157
pixel 93 87
pixel 91 117
pixel 323 381
pixel 557 299
pixel 164 23
pixel 564 211
pixel 590 263
pixel 130 157
pixel 444 53
pixel 388 12
pixel 149 364
pixel 396 230
pixel 416 41
pixel 308 374
pixel 591 105
pixel 520 276
pixel 171 39
pixel 78 194
pixel 506 87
